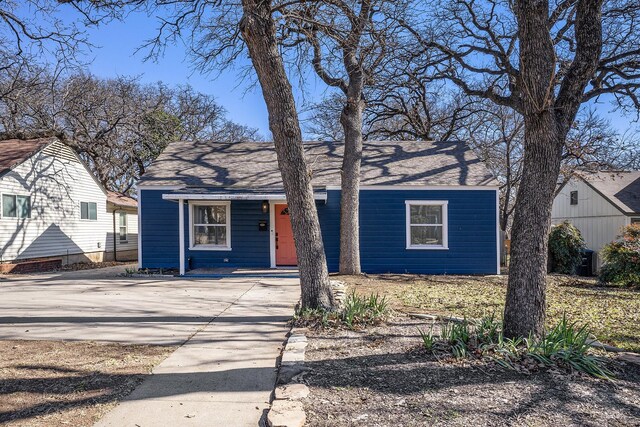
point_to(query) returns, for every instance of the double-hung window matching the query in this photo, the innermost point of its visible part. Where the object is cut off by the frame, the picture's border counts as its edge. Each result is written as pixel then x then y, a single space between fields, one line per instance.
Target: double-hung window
pixel 14 206
pixel 89 211
pixel 211 226
pixel 426 224
pixel 123 226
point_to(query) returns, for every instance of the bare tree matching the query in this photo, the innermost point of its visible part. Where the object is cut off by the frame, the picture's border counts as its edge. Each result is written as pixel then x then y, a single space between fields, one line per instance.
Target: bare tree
pixel 259 33
pixel 542 60
pixel 117 125
pixel 347 44
pixel 217 33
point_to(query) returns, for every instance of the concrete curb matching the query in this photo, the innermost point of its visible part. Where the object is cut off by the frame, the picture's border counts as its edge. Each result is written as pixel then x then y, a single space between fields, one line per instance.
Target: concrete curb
pixel 286 409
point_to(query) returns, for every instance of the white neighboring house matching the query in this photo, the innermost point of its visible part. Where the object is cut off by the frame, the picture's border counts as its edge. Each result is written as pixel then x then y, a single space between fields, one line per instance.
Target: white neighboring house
pixel 599 205
pixel 51 205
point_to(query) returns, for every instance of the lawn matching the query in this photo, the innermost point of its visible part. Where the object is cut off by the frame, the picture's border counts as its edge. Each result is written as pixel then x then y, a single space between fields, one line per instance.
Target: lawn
pixel 54 383
pixel 611 313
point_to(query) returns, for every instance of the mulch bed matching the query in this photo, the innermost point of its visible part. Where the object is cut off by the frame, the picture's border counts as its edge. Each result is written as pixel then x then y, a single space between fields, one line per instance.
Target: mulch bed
pixel 383 377
pixel 55 384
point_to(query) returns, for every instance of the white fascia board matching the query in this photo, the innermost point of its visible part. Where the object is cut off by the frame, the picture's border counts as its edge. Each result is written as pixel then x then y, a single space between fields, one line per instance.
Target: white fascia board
pixel 160 187
pixel 231 196
pixel 422 187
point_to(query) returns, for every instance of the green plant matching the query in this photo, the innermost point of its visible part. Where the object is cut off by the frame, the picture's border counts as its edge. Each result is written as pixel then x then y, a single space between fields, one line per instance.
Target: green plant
pixel 356 311
pixel 565 248
pixel 458 335
pixel 568 345
pixel 363 309
pixel 487 331
pixel 622 258
pixel 428 339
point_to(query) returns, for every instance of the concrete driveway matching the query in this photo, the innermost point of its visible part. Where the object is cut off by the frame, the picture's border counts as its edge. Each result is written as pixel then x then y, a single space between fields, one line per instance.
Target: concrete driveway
pixel 230 331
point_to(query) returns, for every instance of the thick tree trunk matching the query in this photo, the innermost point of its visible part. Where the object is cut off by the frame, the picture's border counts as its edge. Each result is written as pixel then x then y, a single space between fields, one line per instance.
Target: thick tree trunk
pixel 351 120
pixel 259 33
pixel 547 119
pixel 525 304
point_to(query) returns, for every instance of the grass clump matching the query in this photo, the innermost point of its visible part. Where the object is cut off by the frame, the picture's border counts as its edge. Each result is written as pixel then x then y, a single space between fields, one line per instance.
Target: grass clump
pixel 565 346
pixel 356 312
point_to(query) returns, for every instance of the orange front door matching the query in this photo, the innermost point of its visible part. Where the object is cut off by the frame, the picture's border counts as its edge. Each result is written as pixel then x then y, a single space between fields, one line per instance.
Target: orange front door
pixel 285 246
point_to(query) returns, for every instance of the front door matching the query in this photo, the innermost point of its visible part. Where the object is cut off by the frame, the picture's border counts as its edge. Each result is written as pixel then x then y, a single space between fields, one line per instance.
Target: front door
pixel 285 246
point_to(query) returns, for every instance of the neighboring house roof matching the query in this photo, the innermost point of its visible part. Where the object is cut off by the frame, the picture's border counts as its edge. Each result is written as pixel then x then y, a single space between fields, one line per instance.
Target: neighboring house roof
pixel 255 165
pixel 622 189
pixel 15 151
pixel 121 200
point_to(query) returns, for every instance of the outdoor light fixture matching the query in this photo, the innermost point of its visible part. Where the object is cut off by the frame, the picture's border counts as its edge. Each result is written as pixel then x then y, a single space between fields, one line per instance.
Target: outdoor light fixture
pixel 265 206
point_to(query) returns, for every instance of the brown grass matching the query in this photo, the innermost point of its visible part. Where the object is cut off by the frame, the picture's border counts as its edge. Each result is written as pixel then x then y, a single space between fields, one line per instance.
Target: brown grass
pixel 53 383
pixel 612 314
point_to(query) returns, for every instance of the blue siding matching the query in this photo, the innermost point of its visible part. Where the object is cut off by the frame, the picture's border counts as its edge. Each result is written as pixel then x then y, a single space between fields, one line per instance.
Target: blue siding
pixel 472 233
pixel 249 246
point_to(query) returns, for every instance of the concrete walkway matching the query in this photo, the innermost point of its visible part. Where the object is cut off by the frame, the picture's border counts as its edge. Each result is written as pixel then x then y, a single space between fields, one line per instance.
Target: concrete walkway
pixel 230 331
pixel 224 374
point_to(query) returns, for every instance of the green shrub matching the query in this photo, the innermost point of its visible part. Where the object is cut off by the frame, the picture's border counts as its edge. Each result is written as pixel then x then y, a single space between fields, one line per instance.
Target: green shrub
pixel 622 258
pixel 565 248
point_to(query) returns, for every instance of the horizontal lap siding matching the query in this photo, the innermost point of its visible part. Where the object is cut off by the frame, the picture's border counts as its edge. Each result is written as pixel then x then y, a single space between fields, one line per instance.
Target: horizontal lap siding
pixel 159 228
pixel 471 232
pixel 160 249
pixel 249 246
pixel 329 217
pixel 57 183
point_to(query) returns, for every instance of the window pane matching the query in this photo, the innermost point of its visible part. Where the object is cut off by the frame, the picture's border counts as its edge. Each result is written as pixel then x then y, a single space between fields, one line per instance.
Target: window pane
pixel 426 214
pixel 210 214
pixel 8 206
pixel 93 211
pixel 84 210
pixel 123 219
pixel 123 234
pixel 212 235
pixel 426 235
pixel 23 206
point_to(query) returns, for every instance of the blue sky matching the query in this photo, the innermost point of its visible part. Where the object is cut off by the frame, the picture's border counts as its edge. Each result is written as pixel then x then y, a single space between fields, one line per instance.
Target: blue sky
pixel 115 54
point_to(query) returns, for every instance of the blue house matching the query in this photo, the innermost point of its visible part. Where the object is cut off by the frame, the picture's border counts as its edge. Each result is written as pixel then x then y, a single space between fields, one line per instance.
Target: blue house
pixel 425 207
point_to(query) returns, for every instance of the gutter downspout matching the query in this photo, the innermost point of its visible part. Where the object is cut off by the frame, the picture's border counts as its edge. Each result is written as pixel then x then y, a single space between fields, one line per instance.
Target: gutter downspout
pixel 115 249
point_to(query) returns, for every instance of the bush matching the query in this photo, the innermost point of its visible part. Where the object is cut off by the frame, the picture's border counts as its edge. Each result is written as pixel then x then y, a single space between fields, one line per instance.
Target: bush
pixel 622 258
pixel 565 248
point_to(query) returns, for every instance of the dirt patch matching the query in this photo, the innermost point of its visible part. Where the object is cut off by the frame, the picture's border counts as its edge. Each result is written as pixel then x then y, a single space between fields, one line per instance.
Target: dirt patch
pixel 53 383
pixel 611 313
pixel 94 265
pixel 382 377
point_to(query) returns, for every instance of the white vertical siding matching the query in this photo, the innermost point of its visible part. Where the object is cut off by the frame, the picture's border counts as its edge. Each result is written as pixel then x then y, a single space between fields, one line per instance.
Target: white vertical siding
pixel 57 182
pixel 596 218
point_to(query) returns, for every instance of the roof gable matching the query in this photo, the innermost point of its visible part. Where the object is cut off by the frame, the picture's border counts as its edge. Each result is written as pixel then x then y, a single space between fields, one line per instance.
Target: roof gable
pixel 255 164
pixel 621 189
pixel 16 151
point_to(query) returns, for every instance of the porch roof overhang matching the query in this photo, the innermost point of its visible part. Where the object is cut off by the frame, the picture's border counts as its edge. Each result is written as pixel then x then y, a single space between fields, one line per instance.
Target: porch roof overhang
pixel 211 194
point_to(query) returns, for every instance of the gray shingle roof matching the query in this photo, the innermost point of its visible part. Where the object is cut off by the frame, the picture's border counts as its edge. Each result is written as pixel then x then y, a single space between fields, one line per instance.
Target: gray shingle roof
pixel 622 189
pixel 254 164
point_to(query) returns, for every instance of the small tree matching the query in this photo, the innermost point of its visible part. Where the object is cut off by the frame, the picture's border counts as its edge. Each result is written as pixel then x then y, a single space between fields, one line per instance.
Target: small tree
pixel 565 248
pixel 622 258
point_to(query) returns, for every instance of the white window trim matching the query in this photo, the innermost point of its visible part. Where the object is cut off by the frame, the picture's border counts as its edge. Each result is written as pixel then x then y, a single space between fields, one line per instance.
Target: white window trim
pixel 14 218
pixel 88 219
pixel 125 226
pixel 193 247
pixel 445 224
